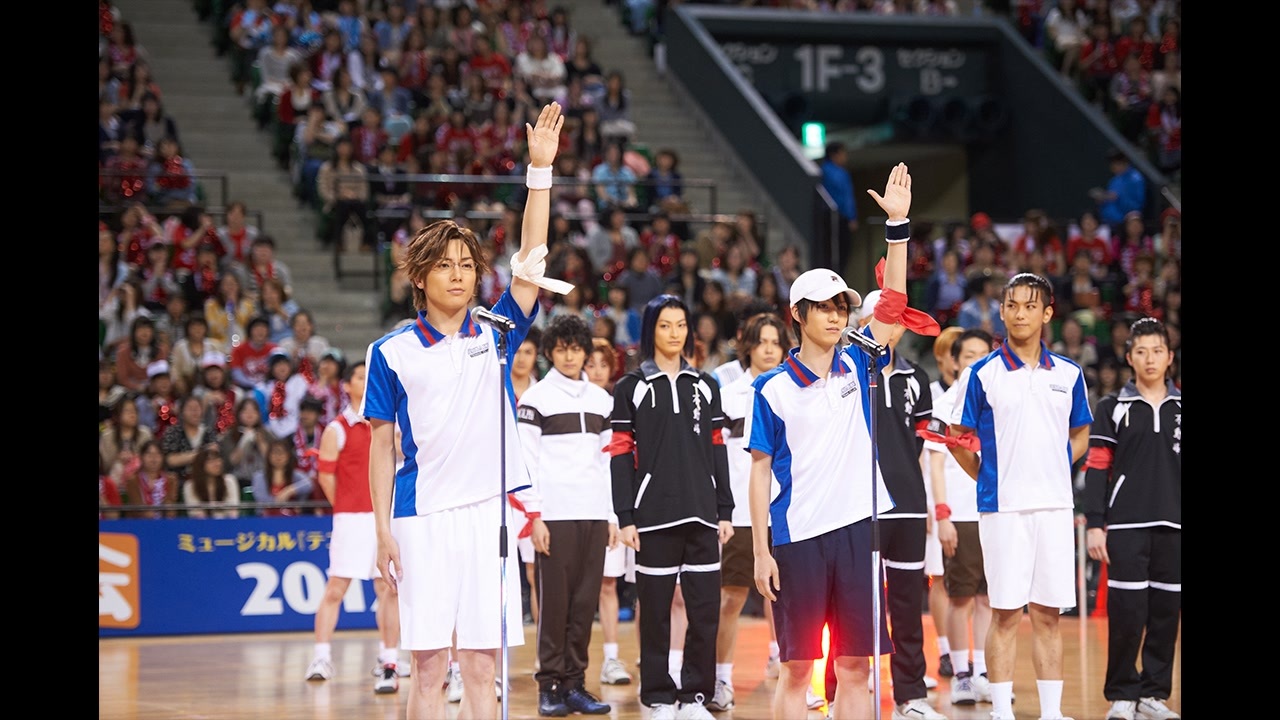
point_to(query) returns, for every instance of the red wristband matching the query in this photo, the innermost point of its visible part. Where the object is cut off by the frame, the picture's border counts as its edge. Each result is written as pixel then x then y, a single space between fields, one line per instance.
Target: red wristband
pixel 527 530
pixel 890 306
pixel 942 511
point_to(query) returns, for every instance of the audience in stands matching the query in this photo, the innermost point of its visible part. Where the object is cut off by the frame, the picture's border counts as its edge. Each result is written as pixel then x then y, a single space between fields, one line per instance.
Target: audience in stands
pixel 207 360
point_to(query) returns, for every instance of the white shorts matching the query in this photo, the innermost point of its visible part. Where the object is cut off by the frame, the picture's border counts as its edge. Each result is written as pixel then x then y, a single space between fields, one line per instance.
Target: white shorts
pixel 615 561
pixel 933 552
pixel 452 580
pixel 353 546
pixel 630 573
pixel 1029 557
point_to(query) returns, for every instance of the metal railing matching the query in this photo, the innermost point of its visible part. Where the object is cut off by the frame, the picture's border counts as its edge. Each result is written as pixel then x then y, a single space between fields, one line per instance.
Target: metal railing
pixel 255 218
pixel 588 185
pixel 219 179
pixel 417 181
pixel 248 508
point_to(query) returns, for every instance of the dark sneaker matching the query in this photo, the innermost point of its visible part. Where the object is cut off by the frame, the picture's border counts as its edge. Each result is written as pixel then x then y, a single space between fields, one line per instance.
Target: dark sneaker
pixel 551 704
pixel 579 700
pixel 944 667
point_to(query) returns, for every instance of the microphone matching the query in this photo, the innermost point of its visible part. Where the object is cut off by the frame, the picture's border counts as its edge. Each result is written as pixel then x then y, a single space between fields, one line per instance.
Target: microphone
pixel 493 319
pixel 852 336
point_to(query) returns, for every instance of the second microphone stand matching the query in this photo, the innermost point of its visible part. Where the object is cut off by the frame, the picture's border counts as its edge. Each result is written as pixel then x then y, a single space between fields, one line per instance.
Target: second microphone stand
pixel 875 352
pixel 502 505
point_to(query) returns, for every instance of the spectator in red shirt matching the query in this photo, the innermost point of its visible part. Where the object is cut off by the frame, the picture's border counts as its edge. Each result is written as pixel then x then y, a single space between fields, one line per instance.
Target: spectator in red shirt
pixel 1039 234
pixel 249 358
pixel 1137 42
pixel 456 135
pixel 1086 239
pixel 1098 63
pixel 492 66
pixel 368 137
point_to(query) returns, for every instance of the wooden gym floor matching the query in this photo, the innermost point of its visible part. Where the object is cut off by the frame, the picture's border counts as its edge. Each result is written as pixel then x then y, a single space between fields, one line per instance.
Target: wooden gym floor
pixel 260 676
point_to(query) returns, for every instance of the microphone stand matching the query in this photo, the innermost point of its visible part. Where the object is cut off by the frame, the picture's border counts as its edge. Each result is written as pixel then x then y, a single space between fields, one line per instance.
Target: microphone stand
pixel 502 508
pixel 875 352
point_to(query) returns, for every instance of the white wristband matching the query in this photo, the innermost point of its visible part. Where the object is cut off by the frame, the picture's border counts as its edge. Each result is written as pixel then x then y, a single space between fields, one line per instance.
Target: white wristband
pixel 538 178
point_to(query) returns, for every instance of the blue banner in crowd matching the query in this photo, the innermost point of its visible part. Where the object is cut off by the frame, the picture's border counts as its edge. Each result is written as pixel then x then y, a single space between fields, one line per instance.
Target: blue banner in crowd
pixel 179 577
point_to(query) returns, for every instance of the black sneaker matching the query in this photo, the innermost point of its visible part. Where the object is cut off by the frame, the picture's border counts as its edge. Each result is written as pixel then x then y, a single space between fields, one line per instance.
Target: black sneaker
pixel 944 667
pixel 579 700
pixel 551 704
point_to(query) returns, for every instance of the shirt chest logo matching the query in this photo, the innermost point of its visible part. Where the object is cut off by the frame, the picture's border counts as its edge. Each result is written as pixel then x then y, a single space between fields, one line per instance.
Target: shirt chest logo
pixel 478 350
pixel 849 389
pixel 1059 388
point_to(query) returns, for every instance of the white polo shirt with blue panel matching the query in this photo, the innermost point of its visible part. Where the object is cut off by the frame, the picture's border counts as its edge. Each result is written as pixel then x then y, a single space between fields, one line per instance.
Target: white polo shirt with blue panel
pixel 1023 415
pixel 449 434
pixel 818 432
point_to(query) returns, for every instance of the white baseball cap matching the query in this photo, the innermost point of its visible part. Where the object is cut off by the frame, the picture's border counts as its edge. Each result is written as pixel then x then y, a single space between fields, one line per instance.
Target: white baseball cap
pixel 821 284
pixel 159 367
pixel 213 358
pixel 868 306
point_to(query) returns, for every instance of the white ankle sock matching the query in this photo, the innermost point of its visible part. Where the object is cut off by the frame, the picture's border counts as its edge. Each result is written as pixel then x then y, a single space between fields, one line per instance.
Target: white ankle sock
pixel 944 647
pixel 389 655
pixel 724 671
pixel 1050 698
pixel 774 650
pixel 960 660
pixel 323 651
pixel 979 662
pixel 611 651
pixel 1002 699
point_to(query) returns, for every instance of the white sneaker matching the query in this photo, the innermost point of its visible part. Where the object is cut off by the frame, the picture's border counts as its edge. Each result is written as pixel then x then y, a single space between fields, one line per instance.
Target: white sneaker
pixel 694 711
pixel 982 689
pixel 454 691
pixel 813 700
pixel 722 699
pixel 1150 708
pixel 917 709
pixel 613 672
pixel 773 668
pixel 320 669
pixel 1122 710
pixel 662 712
pixel 962 690
pixel 388 681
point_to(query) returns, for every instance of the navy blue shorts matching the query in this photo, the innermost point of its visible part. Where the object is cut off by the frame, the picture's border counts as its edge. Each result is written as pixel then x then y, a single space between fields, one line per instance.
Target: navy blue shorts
pixel 827 580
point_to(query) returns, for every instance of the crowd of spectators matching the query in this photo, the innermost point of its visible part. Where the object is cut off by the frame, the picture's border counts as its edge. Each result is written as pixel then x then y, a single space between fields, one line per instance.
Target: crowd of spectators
pixel 1123 56
pixel 204 351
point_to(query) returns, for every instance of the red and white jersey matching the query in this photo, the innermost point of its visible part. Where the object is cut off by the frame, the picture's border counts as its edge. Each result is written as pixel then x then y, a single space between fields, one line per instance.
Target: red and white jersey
pixel 351 483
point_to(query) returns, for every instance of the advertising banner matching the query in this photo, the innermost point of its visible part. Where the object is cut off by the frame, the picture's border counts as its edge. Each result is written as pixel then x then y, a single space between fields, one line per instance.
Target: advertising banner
pixel 186 576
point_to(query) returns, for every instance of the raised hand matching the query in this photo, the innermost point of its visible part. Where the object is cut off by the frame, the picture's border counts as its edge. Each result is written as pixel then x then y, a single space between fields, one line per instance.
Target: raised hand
pixel 544 139
pixel 896 201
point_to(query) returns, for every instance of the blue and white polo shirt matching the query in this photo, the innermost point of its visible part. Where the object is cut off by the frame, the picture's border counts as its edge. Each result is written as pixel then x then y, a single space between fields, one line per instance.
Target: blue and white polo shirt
pixel 818 432
pixel 443 393
pixel 1023 415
